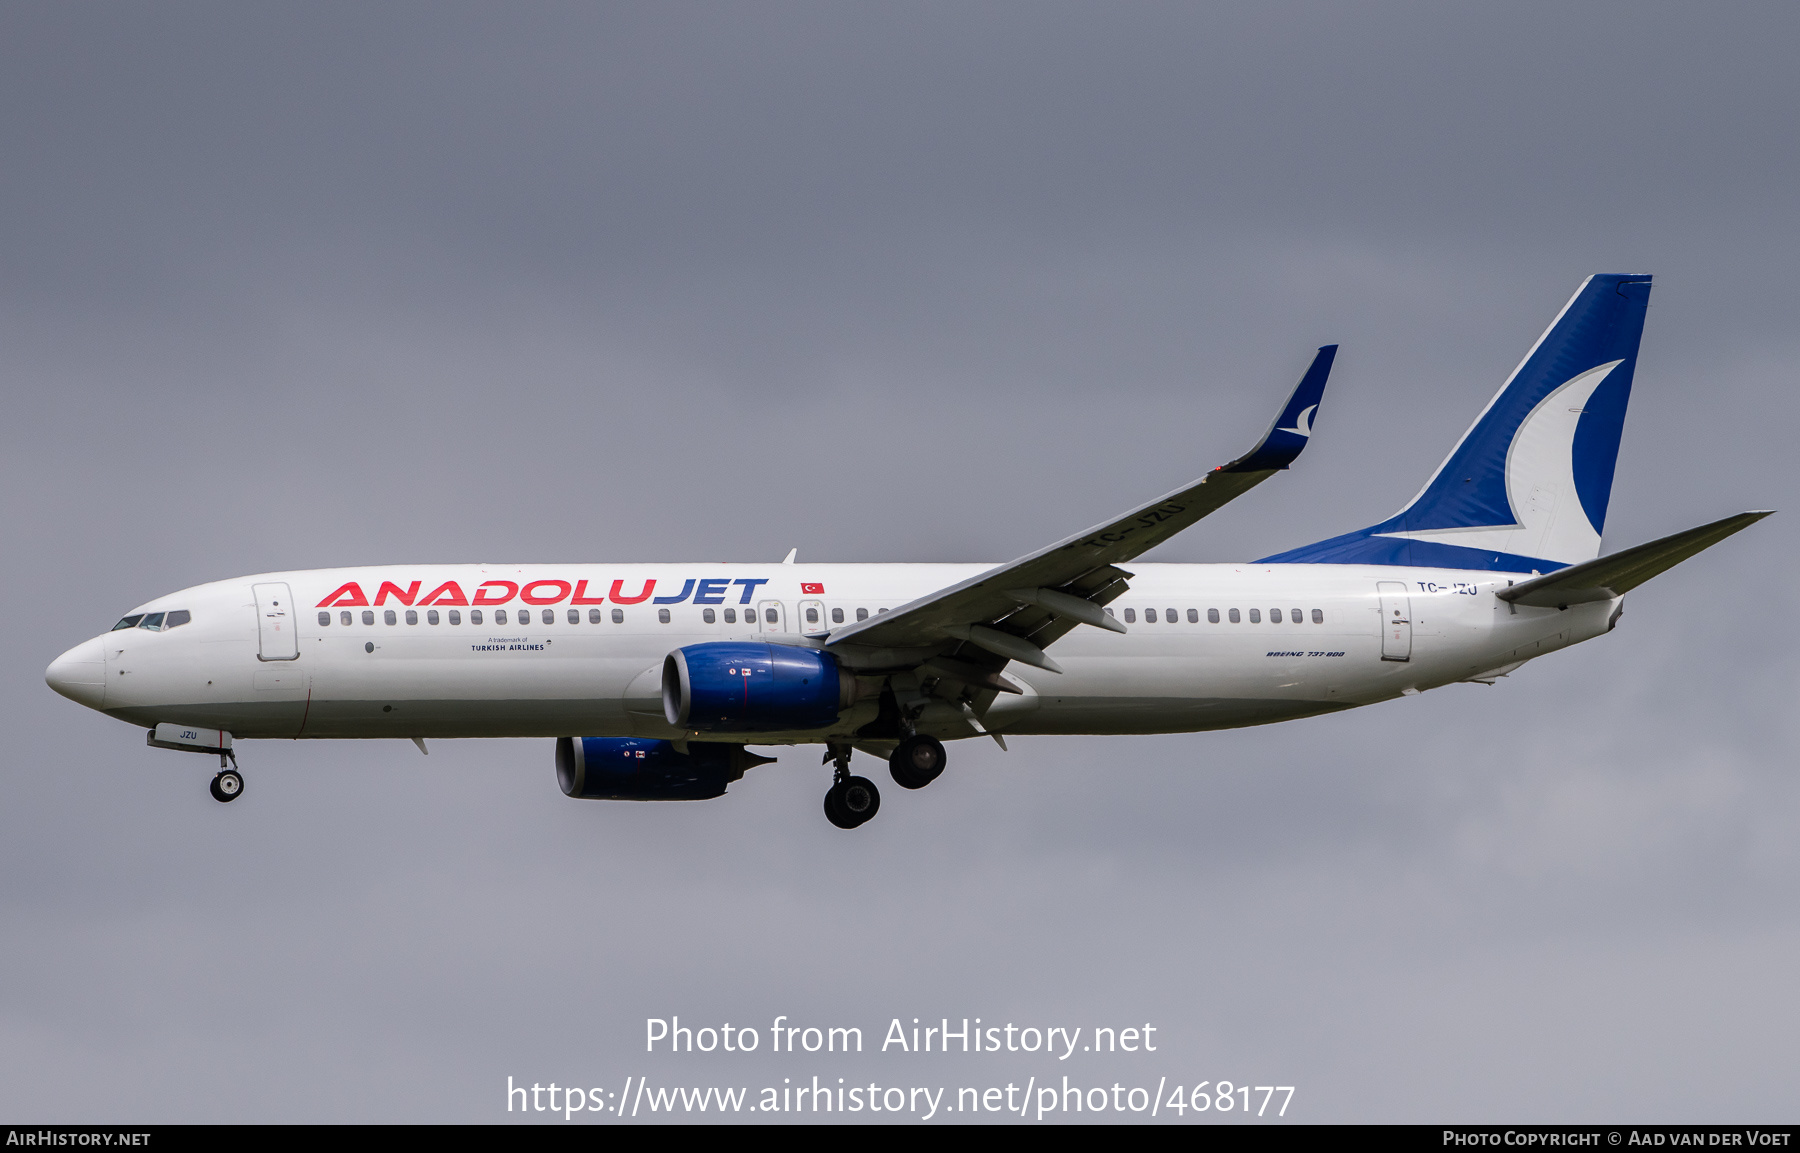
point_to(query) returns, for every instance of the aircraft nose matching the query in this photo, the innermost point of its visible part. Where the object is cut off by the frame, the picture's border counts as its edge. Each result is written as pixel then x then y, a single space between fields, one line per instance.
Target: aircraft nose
pixel 80 674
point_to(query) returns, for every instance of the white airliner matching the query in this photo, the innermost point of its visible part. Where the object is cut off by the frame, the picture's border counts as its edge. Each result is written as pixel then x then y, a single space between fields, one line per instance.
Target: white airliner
pixel 653 678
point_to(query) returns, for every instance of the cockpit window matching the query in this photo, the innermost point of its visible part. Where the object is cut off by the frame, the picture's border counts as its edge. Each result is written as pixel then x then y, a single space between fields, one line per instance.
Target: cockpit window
pixel 155 622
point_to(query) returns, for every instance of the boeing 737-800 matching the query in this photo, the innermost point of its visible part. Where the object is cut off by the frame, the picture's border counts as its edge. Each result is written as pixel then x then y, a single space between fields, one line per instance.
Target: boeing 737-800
pixel 653 679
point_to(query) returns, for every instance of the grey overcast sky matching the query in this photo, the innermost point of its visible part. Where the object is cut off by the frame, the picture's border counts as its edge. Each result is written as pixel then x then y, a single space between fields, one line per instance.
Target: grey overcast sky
pixel 288 286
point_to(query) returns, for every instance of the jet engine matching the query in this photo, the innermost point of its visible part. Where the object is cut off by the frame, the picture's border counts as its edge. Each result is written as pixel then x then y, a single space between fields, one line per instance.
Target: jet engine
pixel 748 687
pixel 636 769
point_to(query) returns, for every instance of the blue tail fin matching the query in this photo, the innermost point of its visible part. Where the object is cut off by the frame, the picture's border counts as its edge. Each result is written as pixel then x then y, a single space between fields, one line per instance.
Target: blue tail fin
pixel 1527 486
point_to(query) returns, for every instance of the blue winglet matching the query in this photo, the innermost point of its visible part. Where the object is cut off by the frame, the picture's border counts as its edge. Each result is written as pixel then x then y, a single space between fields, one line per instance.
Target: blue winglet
pixel 1282 444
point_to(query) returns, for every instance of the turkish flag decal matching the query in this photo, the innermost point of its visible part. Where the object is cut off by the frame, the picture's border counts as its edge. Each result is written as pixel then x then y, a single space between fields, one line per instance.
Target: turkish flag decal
pixel 812 589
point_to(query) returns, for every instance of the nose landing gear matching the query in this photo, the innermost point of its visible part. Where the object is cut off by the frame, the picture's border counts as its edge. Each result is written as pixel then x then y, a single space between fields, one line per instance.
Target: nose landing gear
pixel 229 783
pixel 851 800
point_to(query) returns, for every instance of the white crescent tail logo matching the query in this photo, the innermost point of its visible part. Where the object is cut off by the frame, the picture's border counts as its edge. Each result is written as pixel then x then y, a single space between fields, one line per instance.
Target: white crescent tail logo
pixel 1540 484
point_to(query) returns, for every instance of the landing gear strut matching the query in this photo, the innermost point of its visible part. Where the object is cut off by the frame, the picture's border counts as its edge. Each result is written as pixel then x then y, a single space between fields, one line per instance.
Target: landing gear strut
pixel 917 762
pixel 229 783
pixel 851 800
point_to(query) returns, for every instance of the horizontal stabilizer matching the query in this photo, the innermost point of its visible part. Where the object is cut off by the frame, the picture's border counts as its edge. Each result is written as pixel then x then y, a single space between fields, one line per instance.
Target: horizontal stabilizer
pixel 1606 577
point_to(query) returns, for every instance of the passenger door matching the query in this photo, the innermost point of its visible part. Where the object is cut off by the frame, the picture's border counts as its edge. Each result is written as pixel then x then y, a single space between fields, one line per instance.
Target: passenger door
pixel 276 637
pixel 1396 621
pixel 812 617
pixel 771 617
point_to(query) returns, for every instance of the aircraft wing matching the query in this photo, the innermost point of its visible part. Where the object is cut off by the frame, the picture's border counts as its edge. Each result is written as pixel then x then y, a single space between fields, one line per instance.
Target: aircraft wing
pixel 1604 578
pixel 1014 611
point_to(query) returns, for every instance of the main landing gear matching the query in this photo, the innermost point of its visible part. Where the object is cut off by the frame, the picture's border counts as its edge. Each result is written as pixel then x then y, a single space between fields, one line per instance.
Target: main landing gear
pixel 851 800
pixel 917 762
pixel 229 783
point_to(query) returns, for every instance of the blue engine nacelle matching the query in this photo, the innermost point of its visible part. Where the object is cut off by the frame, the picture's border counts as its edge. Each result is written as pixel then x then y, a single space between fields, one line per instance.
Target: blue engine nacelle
pixel 747 687
pixel 636 769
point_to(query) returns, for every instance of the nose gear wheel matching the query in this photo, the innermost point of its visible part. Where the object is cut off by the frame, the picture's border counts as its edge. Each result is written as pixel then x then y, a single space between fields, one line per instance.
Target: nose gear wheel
pixel 228 785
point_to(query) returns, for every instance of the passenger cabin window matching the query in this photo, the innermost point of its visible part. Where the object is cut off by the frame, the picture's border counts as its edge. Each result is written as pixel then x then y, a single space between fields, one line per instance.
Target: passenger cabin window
pixel 324 619
pixel 431 617
pixel 1212 616
pixel 1232 616
pixel 389 617
pixel 812 616
pixel 1130 616
pixel 770 616
pixel 1318 617
pixel 862 614
pixel 662 615
pixel 344 617
pixel 1274 616
pixel 594 617
pixel 707 616
pixel 455 617
pixel 1256 616
pixel 129 622
pixel 1294 615
pixel 412 617
pixel 731 616
pixel 1193 616
pixel 574 616
pixel 837 616
pixel 368 617
pixel 499 616
pixel 618 616
pixel 1169 615
pixel 474 616
pixel 1149 616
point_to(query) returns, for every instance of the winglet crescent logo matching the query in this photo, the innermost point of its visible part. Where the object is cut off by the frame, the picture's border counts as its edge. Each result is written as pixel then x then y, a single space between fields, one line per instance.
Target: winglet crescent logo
pixel 1302 423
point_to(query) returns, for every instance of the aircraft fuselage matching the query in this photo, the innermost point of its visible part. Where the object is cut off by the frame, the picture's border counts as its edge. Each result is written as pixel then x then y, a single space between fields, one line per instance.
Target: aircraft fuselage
pixel 578 650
